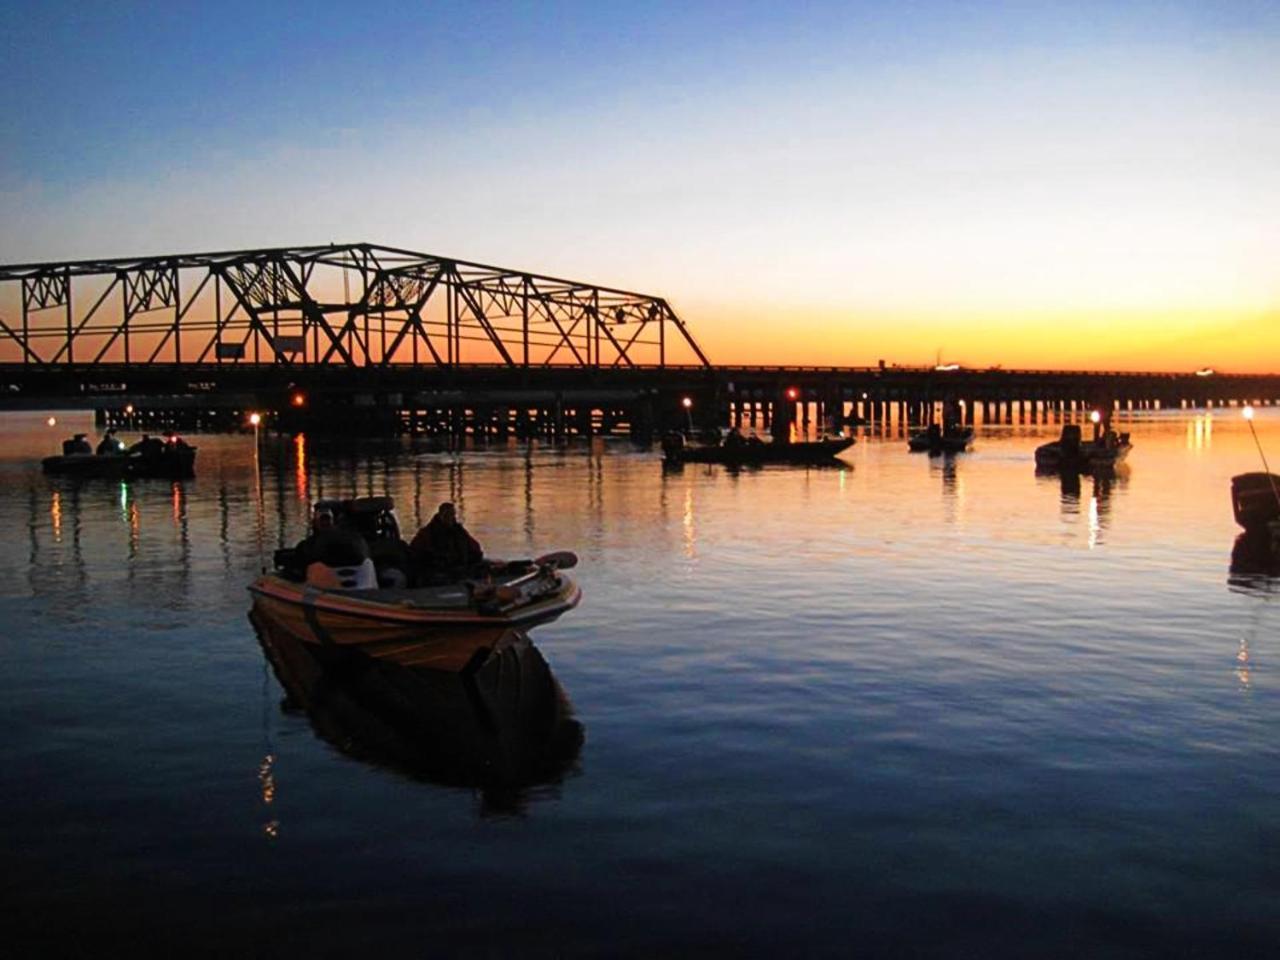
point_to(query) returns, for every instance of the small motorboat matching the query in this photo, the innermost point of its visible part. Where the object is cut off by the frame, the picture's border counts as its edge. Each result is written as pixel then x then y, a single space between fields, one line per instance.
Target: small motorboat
pixel 1255 500
pixel 750 452
pixel 173 459
pixel 345 601
pixel 953 438
pixel 1068 452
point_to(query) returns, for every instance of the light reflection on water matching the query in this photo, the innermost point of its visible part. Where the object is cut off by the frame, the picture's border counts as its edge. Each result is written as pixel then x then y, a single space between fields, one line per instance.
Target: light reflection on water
pixel 936 702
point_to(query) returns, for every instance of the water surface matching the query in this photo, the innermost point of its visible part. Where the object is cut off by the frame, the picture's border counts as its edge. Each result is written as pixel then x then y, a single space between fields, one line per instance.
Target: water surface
pixel 911 705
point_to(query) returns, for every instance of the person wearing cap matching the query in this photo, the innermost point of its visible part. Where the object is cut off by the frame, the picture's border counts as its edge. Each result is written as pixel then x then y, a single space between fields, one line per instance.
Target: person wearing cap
pixel 443 549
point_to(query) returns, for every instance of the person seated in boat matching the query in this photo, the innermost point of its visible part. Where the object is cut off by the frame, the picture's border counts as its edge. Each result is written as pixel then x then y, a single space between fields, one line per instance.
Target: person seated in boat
pixel 332 546
pixel 77 444
pixel 110 446
pixel 734 440
pixel 148 446
pixel 443 549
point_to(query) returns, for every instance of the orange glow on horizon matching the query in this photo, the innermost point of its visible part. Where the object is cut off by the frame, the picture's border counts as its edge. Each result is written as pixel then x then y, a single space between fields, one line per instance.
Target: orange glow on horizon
pixel 1165 341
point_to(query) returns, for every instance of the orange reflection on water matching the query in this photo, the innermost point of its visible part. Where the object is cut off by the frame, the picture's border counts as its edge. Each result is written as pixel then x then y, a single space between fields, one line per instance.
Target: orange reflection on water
pixel 1242 664
pixel 55 514
pixel 267 786
pixel 1200 432
pixel 687 525
pixel 179 503
pixel 300 466
pixel 135 526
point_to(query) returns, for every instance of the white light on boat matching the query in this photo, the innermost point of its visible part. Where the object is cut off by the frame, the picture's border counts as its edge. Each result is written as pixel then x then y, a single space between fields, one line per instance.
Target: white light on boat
pixel 1095 416
pixel 1247 412
pixel 687 403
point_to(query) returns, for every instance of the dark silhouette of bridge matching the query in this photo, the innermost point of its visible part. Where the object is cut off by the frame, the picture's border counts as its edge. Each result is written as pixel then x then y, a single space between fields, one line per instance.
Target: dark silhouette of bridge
pixel 371 338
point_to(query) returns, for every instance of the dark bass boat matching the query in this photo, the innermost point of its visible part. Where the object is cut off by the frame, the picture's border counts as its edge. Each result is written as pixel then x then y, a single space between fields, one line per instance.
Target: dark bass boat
pixel 750 452
pixel 937 439
pixel 344 599
pixel 1068 452
pixel 172 459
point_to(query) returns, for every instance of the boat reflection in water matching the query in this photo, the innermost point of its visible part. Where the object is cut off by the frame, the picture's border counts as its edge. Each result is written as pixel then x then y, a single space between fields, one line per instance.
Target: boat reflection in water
pixel 1104 480
pixel 1255 563
pixel 502 726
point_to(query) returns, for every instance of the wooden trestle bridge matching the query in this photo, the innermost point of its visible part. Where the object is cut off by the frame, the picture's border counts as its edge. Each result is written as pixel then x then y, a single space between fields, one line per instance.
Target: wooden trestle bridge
pixel 371 339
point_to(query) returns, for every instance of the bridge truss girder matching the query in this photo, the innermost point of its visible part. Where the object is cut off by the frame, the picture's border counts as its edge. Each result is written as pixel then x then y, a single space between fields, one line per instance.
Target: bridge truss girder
pixel 359 305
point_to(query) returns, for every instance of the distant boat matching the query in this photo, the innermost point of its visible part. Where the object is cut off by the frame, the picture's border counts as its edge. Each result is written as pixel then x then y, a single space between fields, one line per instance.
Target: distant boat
pixel 751 452
pixel 1255 500
pixel 1068 452
pixel 173 461
pixel 937 439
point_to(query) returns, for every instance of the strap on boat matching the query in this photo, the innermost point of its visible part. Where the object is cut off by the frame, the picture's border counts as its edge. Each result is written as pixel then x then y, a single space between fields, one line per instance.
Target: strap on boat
pixel 309 612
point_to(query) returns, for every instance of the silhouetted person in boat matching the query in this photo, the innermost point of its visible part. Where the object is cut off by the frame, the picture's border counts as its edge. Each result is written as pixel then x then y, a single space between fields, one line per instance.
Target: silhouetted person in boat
pixel 734 440
pixel 330 544
pixel 77 444
pixel 110 446
pixel 148 446
pixel 443 549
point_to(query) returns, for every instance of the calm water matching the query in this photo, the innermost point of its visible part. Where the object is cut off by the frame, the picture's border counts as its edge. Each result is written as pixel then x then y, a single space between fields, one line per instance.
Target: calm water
pixel 912 706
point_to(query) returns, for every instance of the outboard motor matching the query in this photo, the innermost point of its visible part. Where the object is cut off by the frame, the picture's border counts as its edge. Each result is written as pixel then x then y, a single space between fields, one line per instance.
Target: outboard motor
pixel 673 446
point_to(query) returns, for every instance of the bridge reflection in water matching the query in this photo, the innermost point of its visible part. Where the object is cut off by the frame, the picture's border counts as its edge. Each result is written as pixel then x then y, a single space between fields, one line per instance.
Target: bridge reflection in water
pixel 503 727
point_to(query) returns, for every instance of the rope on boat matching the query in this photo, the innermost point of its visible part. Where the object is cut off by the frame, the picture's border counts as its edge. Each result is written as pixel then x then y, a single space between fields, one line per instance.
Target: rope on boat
pixel 1270 476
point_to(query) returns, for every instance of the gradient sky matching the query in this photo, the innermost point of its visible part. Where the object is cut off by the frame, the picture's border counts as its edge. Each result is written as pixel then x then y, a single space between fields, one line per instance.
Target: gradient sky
pixel 1032 185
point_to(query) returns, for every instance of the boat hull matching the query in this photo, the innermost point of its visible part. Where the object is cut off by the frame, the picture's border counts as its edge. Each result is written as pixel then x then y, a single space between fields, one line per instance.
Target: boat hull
pixel 1052 456
pixel 749 454
pixel 952 443
pixel 173 465
pixel 438 638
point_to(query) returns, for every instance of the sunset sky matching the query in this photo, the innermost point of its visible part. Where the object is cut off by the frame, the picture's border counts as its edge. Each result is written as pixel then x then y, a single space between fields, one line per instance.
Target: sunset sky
pixel 1032 185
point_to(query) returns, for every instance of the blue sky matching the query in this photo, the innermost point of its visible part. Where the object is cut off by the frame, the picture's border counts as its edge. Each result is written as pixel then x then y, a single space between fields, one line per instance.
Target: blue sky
pixel 851 164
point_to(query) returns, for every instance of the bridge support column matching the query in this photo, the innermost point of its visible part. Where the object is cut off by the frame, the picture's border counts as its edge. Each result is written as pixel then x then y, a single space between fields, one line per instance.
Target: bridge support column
pixel 782 418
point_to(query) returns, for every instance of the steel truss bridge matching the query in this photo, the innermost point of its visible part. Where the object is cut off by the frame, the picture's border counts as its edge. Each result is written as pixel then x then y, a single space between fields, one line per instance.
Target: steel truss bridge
pixel 356 306
pixel 380 338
